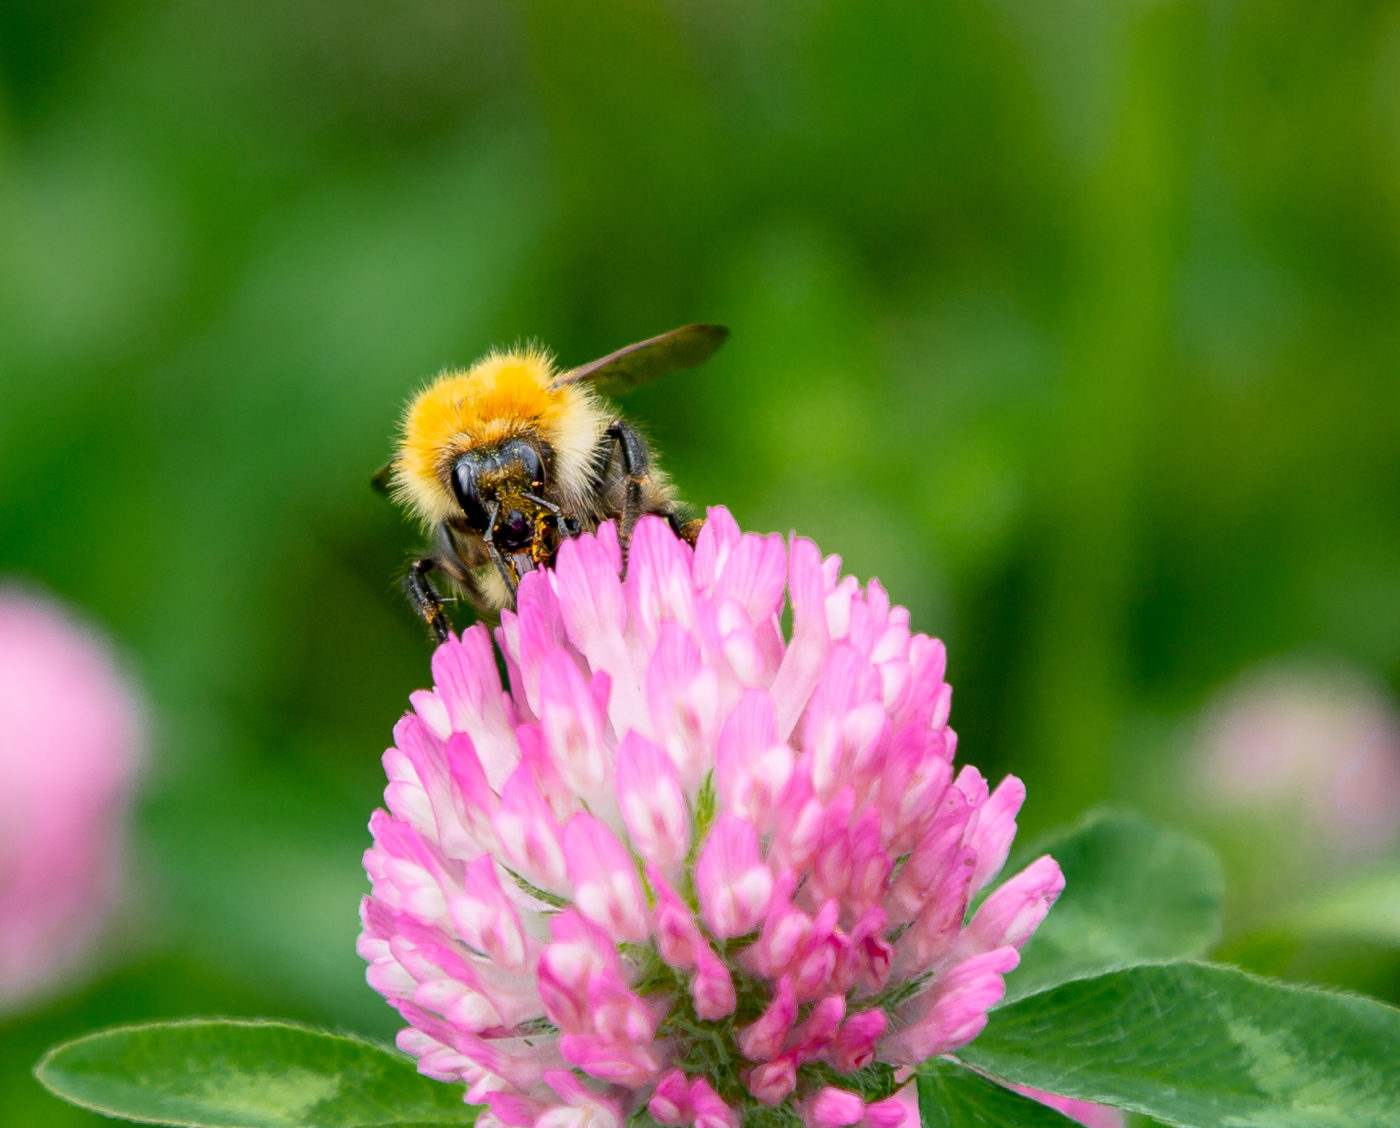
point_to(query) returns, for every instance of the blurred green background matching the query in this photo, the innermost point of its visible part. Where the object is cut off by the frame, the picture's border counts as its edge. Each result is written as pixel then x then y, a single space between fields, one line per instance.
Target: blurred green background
pixel 1075 322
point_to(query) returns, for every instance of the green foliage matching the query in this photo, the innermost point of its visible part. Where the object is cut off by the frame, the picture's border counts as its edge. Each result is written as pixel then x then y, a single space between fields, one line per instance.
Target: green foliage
pixel 953 1096
pixel 220 1073
pixel 1133 894
pixel 1203 1046
pixel 1093 1013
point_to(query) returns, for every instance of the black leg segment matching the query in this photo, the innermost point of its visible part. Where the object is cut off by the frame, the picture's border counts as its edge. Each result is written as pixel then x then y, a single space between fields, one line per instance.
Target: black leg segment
pixel 503 566
pixel 686 528
pixel 636 463
pixel 424 597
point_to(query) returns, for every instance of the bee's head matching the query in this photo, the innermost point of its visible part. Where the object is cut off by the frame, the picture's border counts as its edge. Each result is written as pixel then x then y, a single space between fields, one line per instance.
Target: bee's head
pixel 500 490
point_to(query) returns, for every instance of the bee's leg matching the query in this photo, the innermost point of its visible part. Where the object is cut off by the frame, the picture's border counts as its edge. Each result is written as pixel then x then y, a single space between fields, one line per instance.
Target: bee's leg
pixel 503 566
pixel 636 463
pixel 505 570
pixel 687 529
pixel 425 598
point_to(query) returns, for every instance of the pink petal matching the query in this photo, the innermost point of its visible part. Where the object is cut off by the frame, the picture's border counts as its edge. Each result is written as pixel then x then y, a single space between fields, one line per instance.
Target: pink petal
pixel 764 1037
pixel 682 698
pixel 773 1081
pixel 712 989
pixel 670 1102
pixel 485 920
pixel 618 1062
pixel 678 938
pixel 801 669
pixel 653 805
pixel 529 835
pixel 585 580
pixel 995 828
pixel 889 1113
pixel 660 587
pixel 717 539
pixel 753 573
pixel 751 766
pixel 582 1108
pixel 953 1011
pixel 833 1108
pixel 606 888
pixel 732 880
pixel 854 1045
pixel 464 673
pixel 574 728
pixel 818 1030
pixel 938 853
pixel 710 1109
pixel 784 932
pixel 1015 909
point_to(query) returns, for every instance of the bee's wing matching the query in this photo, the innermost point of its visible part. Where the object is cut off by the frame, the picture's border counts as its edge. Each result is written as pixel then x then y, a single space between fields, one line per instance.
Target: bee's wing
pixel 646 360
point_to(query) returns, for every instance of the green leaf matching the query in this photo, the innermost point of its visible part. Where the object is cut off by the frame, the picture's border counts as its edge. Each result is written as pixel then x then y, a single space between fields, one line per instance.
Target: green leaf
pixel 952 1096
pixel 228 1073
pixel 1133 894
pixel 1203 1046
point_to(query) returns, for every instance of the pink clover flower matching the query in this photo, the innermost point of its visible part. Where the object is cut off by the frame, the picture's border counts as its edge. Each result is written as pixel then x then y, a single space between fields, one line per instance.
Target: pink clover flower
pixel 685 861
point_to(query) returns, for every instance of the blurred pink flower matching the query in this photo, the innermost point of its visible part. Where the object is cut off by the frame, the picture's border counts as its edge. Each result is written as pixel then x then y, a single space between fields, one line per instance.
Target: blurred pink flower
pixel 683 863
pixel 1316 744
pixel 69 751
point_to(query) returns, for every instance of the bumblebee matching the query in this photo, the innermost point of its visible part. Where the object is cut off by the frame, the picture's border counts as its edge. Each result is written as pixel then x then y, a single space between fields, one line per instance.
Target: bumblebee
pixel 504 460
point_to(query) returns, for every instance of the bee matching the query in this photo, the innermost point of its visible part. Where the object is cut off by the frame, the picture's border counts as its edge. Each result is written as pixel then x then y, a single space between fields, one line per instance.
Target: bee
pixel 506 459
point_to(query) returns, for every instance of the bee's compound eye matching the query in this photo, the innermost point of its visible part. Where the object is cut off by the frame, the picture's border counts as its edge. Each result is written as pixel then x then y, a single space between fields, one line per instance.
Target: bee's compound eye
pixel 514 531
pixel 528 458
pixel 465 486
